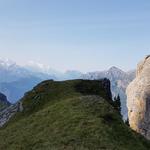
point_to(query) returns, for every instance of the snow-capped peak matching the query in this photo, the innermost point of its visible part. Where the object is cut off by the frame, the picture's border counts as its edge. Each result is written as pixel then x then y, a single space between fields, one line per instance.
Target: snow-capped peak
pixel 38 67
pixel 7 62
pixel 115 69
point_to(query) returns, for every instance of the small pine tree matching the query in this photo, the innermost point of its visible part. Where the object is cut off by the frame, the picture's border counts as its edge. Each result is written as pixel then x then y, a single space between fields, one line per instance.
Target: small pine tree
pixel 117 103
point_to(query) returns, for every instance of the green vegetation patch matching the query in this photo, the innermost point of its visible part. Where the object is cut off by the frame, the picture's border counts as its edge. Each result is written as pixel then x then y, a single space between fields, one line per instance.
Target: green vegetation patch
pixel 68 116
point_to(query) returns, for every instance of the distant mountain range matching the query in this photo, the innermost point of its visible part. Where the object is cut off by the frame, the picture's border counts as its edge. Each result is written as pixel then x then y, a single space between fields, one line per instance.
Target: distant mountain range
pixel 15 80
pixel 119 82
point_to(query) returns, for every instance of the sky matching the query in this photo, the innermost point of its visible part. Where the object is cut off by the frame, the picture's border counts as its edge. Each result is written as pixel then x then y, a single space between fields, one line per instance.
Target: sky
pixel 84 35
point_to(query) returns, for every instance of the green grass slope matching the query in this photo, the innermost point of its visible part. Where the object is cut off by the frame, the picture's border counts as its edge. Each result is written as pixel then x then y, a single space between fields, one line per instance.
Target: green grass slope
pixel 70 115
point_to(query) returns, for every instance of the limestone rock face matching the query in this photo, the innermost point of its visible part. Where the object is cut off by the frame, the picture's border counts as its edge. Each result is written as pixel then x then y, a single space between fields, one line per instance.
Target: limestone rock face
pixel 138 99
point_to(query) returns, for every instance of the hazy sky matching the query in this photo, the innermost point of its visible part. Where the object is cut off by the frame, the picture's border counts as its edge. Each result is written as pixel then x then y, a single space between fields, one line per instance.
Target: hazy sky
pixel 86 35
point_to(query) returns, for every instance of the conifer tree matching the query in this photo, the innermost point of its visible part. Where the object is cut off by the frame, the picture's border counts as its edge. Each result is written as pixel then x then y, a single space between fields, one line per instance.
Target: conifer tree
pixel 117 103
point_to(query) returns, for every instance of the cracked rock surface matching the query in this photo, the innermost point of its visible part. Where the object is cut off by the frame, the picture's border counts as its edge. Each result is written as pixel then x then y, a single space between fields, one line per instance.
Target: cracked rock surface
pixel 138 99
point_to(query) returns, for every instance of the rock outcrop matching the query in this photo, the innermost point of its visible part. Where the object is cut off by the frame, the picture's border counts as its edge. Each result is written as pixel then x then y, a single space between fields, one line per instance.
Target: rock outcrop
pixel 138 103
pixel 9 112
pixel 4 103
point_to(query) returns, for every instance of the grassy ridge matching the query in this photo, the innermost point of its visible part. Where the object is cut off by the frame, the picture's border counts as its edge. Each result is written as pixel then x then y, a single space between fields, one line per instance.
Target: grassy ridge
pixel 70 115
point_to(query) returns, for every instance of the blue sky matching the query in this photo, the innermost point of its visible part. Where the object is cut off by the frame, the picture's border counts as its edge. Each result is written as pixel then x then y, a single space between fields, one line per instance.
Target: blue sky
pixel 85 35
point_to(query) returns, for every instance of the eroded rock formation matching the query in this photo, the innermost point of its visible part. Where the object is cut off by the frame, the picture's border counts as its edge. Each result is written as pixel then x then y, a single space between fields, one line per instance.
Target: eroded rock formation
pixel 138 103
pixel 9 112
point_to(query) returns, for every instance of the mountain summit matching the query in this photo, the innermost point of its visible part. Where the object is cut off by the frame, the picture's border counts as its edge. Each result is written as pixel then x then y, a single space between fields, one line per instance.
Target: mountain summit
pixel 115 69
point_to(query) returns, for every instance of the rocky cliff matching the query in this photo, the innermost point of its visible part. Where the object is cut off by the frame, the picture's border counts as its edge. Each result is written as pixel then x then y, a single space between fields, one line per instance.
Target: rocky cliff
pixel 138 93
pixel 9 112
pixel 4 103
pixel 119 82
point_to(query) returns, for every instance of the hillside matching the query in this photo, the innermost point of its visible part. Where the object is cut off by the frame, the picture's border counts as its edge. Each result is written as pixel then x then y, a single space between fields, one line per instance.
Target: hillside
pixel 69 115
pixel 3 102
